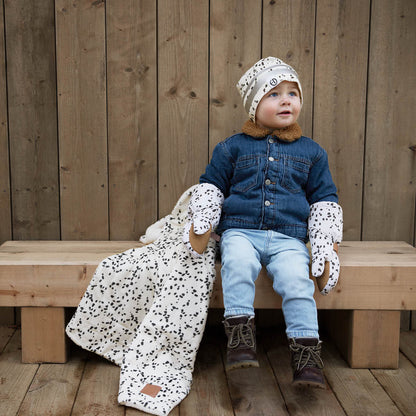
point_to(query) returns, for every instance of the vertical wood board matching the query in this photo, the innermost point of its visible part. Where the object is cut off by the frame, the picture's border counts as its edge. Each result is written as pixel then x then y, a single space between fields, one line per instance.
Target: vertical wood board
pixel 81 66
pixel 132 117
pixel 5 218
pixel 7 314
pixel 172 68
pixel 183 27
pixel 31 79
pixel 235 45
pixel 340 99
pixel 390 168
pixel 289 34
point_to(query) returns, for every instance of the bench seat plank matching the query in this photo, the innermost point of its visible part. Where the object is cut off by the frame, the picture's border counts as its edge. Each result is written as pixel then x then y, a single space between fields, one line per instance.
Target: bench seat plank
pixel 377 280
pixel 374 275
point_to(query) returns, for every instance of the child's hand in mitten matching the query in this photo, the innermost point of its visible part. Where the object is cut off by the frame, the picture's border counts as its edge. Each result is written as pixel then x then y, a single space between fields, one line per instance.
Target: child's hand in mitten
pixel 325 229
pixel 204 213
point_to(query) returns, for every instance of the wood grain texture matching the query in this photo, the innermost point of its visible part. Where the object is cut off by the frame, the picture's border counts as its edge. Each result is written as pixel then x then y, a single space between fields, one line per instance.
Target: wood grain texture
pixel 98 390
pixel 82 116
pixel 43 335
pixel 132 117
pixel 408 345
pixel 159 83
pixel 7 315
pixel 16 377
pixel 209 395
pixel 374 275
pixel 53 389
pixel 251 398
pixel 289 34
pixel 382 333
pixel 183 28
pixel 390 169
pixel 110 110
pixel 6 333
pixel 235 45
pixel 31 83
pixel 5 202
pixel 400 384
pixel 342 30
pixel 356 389
pixel 356 392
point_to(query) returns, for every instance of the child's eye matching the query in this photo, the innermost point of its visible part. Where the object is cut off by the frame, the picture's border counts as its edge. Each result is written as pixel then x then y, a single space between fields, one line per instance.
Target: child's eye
pixel 273 94
pixel 293 94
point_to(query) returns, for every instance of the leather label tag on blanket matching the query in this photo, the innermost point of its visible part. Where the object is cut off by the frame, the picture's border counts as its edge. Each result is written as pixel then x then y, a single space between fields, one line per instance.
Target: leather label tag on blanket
pixel 151 390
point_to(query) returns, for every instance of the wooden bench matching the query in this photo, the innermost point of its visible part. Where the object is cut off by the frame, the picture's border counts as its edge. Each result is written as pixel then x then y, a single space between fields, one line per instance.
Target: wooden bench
pixel 378 280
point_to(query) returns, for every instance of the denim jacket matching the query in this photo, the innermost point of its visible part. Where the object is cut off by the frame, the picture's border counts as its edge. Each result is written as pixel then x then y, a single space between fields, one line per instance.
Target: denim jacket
pixel 268 183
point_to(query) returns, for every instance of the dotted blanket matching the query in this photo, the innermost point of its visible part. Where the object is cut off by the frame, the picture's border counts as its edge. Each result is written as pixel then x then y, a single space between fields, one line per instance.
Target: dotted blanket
pixel 145 310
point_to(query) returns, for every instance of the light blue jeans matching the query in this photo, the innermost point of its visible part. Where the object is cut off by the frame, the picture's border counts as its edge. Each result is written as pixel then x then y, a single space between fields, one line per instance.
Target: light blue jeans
pixel 243 252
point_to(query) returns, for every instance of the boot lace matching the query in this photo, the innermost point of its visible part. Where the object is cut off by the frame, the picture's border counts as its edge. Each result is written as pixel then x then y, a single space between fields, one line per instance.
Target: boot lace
pixel 306 356
pixel 241 334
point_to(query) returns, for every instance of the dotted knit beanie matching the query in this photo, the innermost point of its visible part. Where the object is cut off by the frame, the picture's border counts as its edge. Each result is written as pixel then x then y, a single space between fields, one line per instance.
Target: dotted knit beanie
pixel 262 77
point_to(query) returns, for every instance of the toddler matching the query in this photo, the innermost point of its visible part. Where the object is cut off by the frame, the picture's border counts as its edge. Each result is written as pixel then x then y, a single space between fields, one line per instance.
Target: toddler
pixel 267 191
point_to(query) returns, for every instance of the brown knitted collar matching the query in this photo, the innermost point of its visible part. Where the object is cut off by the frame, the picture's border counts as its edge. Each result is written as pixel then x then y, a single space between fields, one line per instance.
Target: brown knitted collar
pixel 288 134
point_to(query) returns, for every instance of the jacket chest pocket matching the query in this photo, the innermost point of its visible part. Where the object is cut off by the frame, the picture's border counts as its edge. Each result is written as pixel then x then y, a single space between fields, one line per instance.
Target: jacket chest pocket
pixel 246 173
pixel 295 174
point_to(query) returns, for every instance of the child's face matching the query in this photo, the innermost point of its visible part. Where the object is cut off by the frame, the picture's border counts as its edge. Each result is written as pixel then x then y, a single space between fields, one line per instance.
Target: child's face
pixel 280 107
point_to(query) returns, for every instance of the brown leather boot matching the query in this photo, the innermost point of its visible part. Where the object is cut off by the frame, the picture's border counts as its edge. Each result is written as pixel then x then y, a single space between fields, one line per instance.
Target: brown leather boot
pixel 241 346
pixel 307 364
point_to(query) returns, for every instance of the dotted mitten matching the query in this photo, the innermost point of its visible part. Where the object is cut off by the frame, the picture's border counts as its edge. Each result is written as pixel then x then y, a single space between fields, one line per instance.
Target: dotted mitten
pixel 325 229
pixel 204 212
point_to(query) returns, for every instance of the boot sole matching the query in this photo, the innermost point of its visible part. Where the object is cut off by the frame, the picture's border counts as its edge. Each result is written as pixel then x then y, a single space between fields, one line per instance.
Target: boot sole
pixel 241 364
pixel 305 383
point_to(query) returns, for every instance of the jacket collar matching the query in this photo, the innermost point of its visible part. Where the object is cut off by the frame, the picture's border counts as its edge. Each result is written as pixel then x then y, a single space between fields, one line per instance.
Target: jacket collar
pixel 288 134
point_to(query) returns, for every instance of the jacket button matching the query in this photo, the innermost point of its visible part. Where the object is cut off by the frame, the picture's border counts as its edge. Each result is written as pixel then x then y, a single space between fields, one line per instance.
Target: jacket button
pixel 268 182
pixel 271 158
pixel 267 203
pixel 271 140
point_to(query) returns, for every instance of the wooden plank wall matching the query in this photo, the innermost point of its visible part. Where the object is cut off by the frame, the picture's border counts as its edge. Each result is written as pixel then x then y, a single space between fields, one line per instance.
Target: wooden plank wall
pixel 110 109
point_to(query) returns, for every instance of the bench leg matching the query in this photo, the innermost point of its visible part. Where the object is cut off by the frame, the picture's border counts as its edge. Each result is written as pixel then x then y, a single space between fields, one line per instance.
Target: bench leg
pixel 367 339
pixel 43 335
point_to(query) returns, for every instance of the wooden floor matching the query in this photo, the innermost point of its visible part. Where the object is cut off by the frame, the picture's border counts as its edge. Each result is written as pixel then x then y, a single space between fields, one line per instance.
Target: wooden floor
pixel 88 385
